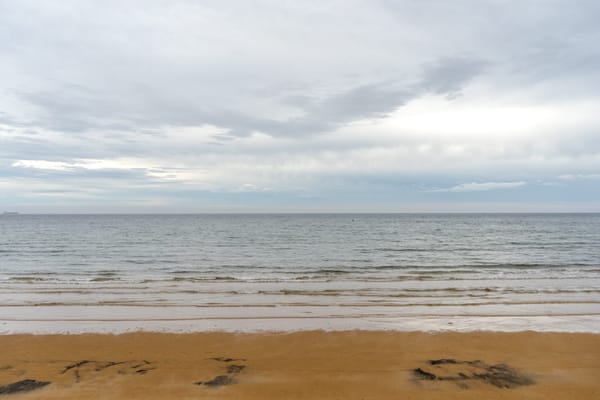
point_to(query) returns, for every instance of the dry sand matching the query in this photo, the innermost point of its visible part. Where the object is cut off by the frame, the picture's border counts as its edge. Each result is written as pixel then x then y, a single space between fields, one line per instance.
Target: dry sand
pixel 301 365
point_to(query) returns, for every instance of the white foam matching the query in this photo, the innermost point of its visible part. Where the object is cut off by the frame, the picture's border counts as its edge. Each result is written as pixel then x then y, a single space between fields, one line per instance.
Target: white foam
pixel 456 324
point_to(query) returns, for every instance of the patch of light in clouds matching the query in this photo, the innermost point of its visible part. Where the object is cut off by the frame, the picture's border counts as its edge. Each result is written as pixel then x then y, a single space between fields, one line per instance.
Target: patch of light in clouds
pixel 483 186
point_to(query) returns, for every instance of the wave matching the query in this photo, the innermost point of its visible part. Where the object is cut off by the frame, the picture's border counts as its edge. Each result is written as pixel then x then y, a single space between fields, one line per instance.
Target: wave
pixel 331 271
pixel 105 279
pixel 27 279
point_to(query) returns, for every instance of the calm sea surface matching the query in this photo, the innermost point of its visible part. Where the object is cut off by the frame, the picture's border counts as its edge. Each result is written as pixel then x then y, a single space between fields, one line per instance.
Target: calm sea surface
pixel 278 272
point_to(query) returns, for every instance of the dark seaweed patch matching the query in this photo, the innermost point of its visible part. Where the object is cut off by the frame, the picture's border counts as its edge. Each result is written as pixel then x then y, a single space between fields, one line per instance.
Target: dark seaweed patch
pixel 76 365
pixel 100 366
pixel 227 359
pixel 424 374
pixel 445 361
pixel 235 369
pixel 217 381
pixel 223 380
pixel 26 385
pixel 143 371
pixel 83 368
pixel 463 372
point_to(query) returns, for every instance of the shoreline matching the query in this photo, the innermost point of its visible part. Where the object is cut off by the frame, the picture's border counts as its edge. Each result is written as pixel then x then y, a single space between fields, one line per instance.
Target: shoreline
pixel 351 364
pixel 32 320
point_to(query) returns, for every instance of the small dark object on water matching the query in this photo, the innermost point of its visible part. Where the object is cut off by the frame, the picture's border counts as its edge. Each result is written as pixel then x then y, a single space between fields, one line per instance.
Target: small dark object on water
pixel 26 385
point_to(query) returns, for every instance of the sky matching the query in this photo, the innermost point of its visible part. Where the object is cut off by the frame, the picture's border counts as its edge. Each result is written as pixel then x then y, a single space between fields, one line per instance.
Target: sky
pixel 299 106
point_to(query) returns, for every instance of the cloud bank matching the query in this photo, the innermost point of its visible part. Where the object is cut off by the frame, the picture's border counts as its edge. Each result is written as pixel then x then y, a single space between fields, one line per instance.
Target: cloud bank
pixel 265 106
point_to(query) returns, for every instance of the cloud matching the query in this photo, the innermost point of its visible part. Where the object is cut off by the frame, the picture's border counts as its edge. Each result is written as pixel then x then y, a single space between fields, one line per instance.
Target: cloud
pixel 84 166
pixel 77 109
pixel 482 187
pixel 79 164
pixel 44 165
pixel 162 103
pixel 449 75
pixel 573 177
pixel 116 78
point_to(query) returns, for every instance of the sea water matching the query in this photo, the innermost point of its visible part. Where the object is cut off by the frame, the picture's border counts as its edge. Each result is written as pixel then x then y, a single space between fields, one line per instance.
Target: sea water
pixel 462 272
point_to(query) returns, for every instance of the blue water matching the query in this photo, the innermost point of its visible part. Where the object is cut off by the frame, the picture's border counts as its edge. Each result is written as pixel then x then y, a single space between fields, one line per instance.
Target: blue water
pixel 377 266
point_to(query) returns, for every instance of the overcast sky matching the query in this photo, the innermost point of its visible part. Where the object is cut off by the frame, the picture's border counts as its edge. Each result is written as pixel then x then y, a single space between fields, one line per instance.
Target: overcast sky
pixel 299 106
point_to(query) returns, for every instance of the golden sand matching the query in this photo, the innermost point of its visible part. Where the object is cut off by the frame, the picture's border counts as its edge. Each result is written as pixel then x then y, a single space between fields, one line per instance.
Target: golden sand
pixel 301 365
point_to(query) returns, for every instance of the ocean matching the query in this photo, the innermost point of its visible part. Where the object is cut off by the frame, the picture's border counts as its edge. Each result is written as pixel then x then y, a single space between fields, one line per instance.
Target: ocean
pixel 182 273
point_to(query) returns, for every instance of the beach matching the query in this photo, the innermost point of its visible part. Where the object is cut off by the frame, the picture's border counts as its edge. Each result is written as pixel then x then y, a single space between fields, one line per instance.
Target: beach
pixel 300 307
pixel 302 365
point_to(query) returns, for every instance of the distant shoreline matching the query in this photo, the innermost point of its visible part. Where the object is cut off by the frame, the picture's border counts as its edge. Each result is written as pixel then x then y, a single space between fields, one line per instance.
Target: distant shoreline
pixel 441 213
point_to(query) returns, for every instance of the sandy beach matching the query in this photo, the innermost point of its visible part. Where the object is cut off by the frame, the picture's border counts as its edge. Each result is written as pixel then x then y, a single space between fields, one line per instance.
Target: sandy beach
pixel 301 365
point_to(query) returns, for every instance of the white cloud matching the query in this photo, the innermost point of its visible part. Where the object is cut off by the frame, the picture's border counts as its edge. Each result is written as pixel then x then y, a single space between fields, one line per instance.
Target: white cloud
pixel 86 164
pixel 147 167
pixel 481 187
pixel 573 177
pixel 44 165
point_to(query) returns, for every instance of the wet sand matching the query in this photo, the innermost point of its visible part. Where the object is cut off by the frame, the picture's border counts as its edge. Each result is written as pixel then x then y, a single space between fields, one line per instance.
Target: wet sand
pixel 301 365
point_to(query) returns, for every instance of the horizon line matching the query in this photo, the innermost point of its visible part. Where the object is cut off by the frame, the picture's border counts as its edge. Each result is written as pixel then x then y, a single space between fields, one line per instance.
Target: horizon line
pixel 16 213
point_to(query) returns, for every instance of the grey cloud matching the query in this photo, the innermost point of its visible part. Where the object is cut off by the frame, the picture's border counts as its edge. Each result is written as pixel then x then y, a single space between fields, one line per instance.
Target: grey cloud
pixel 444 76
pixel 6 120
pixel 449 75
pixel 117 81
pixel 74 108
pixel 84 70
pixel 67 109
pixel 104 79
pixel 530 42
